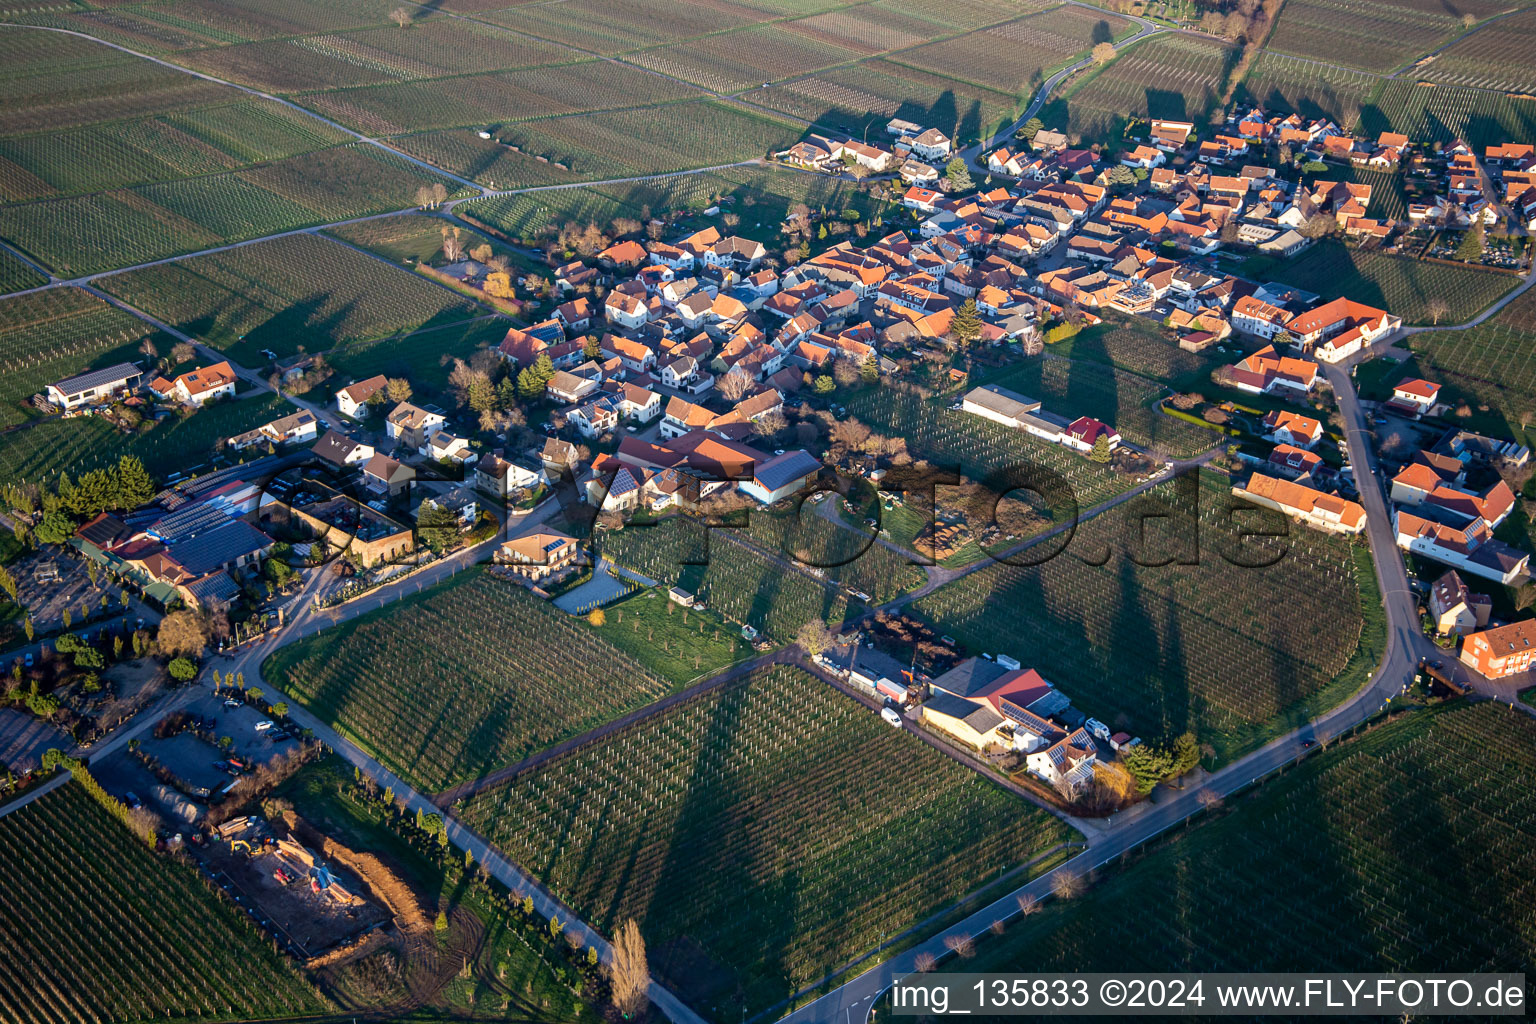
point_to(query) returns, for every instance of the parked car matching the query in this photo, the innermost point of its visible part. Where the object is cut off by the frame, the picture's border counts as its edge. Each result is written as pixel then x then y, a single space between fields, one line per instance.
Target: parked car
pixel 892 717
pixel 132 800
pixel 231 703
pixel 263 726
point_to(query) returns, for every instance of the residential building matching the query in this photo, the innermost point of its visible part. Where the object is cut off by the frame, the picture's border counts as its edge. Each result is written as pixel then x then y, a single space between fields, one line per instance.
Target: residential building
pixel 340 450
pixel 353 399
pixel 1267 372
pixel 1292 428
pixel 1454 609
pixel 409 425
pixel 1502 651
pixel 1327 512
pixel 539 554
pixel 197 387
pixel 383 475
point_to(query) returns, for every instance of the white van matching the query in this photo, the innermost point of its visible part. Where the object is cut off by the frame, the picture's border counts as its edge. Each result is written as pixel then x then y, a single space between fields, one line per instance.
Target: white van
pixel 892 716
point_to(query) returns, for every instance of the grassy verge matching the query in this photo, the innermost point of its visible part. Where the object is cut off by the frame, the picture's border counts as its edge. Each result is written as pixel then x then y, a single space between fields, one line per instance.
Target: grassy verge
pixel 677 643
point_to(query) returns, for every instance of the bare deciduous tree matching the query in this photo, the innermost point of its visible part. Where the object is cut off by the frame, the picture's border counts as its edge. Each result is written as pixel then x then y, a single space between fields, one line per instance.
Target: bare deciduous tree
pixel 628 973
pixel 960 944
pixel 734 385
pixel 1067 885
pixel 400 16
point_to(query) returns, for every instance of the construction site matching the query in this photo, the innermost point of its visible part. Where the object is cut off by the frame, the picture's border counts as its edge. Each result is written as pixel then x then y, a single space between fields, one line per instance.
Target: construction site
pixel 310 903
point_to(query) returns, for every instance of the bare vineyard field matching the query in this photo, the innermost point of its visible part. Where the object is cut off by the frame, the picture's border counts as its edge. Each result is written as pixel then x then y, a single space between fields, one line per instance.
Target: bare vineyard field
pixel 963 15
pixel 1500 56
pixel 1082 386
pixel 103 231
pixel 1493 364
pixel 848 558
pixel 48 335
pixel 1281 83
pixel 432 48
pixel 1449 112
pixel 470 675
pixel 742 584
pixel 754 830
pixel 125 934
pixel 1166 76
pixel 297 292
pixel 1135 345
pixel 616 26
pixel 50 82
pixel 491 100
pixel 871 92
pixel 1403 285
pixel 16 275
pixel 1337 830
pixel 1236 654
pixel 1375 37
pixel 977 447
pixel 156 149
pixel 612 144
pixel 744 59
pixel 424 357
pixel 1017 57
pixel 235 21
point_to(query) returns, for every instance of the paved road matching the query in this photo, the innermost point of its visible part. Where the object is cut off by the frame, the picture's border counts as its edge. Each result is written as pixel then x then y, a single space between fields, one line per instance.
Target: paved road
pixel 1404 645
pixel 43 790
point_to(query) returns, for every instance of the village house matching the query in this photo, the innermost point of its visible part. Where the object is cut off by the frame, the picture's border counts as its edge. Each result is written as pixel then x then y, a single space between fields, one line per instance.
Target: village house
pixel 383 475
pixel 1267 372
pixel 340 450
pixel 1454 609
pixel 1501 652
pixel 197 387
pixel 1292 428
pixel 502 475
pixel 538 555
pixel 409 425
pixel 1326 512
pixel 1414 397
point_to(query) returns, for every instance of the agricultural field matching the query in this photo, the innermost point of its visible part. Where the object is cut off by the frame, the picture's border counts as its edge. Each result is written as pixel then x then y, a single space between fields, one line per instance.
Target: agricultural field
pixel 167 147
pixel 292 293
pixel 847 558
pixel 125 934
pixel 1236 654
pixel 51 82
pixel 434 688
pixel 1135 345
pixel 751 833
pixel 866 95
pixel 430 48
pixel 16 275
pixel 1492 365
pixel 1166 76
pixel 611 144
pixel 104 231
pixel 977 447
pixel 188 444
pixel 1436 883
pixel 774 598
pixel 962 15
pixel 1018 56
pixel 48 335
pixel 1084 387
pixel 1281 83
pixel 1375 37
pixel 234 21
pixel 745 59
pixel 424 357
pixel 679 644
pixel 1397 283
pixel 1447 113
pixel 1498 56
pixel 616 26
pixel 493 100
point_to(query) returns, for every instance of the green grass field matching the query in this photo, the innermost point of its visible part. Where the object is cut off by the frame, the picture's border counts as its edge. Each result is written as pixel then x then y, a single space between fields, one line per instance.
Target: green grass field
pixel 752 834
pixel 125 934
pixel 737 582
pixel 1371 881
pixel 672 641
pixel 1236 654
pixel 462 678
pixel 296 293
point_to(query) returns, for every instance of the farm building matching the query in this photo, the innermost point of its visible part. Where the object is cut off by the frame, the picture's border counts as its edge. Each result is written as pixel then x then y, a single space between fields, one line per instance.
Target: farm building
pixel 95 387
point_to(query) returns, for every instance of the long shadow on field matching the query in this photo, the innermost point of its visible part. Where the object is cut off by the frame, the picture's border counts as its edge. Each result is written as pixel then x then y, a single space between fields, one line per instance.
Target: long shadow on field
pixel 1167 104
pixel 1160 659
pixel 722 912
